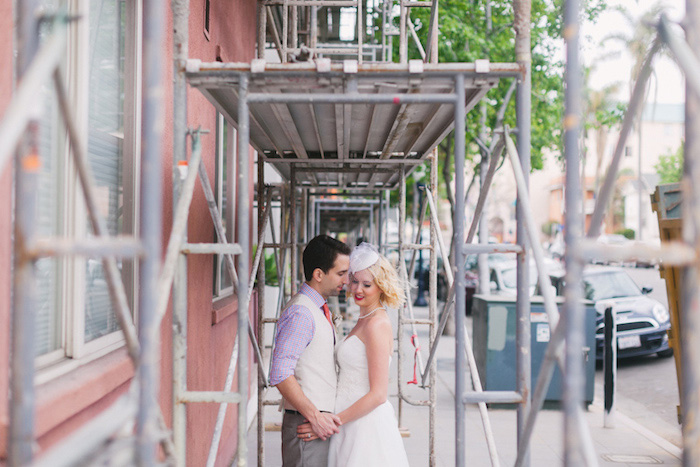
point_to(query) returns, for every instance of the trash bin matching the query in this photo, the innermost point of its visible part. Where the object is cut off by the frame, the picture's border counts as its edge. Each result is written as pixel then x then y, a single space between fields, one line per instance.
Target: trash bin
pixel 493 338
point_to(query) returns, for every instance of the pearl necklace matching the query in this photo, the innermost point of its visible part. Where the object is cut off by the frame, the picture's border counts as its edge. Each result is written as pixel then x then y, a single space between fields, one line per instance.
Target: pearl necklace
pixel 365 316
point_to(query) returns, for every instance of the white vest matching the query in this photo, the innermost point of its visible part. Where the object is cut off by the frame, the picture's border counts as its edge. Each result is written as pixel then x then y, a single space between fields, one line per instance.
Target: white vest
pixel 315 371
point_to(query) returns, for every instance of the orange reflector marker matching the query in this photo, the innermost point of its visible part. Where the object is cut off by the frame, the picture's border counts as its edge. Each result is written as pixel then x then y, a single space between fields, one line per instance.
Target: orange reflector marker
pixel 31 163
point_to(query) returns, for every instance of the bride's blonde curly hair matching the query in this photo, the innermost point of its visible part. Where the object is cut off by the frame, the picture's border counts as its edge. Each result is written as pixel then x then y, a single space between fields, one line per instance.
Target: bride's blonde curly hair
pixel 388 281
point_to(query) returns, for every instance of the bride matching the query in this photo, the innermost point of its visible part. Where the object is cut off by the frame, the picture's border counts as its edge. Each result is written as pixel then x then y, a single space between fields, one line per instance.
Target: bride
pixel 369 434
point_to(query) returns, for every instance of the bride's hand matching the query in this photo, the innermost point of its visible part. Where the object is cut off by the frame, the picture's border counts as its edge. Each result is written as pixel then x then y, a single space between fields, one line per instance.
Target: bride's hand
pixel 305 432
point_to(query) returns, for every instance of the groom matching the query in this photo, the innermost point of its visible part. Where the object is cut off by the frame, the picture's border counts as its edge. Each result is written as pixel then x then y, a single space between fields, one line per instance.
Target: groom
pixel 303 364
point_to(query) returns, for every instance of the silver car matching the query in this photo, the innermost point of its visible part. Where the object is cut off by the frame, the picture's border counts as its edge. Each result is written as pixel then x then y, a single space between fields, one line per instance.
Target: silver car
pixel 642 322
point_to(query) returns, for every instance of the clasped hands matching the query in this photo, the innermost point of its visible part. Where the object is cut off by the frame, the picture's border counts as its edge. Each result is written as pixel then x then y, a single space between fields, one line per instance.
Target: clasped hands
pixel 325 425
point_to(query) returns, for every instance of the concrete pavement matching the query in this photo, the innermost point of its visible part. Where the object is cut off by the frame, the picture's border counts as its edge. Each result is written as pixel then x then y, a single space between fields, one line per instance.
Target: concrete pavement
pixel 629 443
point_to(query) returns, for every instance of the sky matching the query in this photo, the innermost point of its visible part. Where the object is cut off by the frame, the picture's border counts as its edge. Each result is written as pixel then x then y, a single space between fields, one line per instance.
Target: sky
pixel 667 83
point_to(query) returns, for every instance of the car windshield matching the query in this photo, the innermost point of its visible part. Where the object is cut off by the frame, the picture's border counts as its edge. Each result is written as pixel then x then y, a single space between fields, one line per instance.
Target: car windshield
pixel 510 277
pixel 611 284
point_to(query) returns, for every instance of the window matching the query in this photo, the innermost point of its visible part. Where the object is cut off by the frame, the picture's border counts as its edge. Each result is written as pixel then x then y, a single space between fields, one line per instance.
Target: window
pixel 75 318
pixel 225 168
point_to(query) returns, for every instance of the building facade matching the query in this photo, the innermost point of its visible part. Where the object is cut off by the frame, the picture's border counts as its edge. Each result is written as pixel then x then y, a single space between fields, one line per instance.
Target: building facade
pixel 81 362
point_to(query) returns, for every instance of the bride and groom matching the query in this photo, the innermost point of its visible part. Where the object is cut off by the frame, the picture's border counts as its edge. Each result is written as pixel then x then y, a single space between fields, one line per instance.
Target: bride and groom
pixel 335 392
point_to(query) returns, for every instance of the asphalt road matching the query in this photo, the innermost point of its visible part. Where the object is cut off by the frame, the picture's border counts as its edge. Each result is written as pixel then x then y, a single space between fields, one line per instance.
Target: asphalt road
pixel 647 387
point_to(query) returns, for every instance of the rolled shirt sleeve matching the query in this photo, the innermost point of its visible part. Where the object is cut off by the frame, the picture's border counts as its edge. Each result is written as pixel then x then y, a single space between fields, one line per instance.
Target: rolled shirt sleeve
pixel 295 330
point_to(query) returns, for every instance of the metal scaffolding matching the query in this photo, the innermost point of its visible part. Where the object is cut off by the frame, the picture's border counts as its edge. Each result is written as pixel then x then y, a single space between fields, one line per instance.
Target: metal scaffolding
pixel 329 137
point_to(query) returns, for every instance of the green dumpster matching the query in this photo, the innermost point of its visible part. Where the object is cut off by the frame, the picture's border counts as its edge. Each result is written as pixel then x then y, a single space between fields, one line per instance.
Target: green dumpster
pixel 494 323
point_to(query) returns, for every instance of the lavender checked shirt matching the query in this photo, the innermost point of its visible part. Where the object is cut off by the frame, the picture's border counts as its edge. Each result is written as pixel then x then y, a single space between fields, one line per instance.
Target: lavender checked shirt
pixel 295 330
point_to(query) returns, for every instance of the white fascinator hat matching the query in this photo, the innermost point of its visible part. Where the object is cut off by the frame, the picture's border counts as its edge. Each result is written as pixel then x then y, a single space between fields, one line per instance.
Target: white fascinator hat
pixel 363 256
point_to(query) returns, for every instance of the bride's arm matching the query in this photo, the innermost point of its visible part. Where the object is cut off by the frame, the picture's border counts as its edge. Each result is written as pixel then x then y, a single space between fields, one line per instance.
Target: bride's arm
pixel 378 344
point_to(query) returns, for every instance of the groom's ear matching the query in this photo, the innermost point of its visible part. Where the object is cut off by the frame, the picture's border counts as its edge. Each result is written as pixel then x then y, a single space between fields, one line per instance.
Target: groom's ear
pixel 317 275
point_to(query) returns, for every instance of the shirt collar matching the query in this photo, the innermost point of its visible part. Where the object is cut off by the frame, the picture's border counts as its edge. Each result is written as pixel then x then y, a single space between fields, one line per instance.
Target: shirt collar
pixel 310 292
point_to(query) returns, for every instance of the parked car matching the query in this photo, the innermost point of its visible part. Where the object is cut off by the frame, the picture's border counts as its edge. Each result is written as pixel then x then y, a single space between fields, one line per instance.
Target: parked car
pixel 642 322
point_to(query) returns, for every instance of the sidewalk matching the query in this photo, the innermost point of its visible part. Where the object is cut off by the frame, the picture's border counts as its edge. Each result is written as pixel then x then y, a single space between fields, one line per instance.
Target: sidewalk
pixel 628 444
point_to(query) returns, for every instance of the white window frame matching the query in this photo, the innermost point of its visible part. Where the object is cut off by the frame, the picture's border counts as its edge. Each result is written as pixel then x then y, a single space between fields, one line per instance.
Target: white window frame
pixel 220 292
pixel 73 350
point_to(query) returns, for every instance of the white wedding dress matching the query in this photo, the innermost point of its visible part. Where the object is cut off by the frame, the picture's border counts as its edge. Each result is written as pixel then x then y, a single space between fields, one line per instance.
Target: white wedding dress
pixel 373 440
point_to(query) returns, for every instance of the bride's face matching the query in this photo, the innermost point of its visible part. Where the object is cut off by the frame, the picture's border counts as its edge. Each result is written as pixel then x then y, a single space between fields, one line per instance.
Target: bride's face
pixel 363 288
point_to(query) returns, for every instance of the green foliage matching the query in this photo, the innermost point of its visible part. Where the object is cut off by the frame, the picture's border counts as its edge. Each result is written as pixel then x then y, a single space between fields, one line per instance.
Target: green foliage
pixel 627 233
pixel 464 38
pixel 270 267
pixel 550 227
pixel 670 167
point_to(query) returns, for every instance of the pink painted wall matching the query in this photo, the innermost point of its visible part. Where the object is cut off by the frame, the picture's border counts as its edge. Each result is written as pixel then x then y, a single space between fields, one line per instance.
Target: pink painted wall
pixel 231 38
pixel 67 402
pixel 5 224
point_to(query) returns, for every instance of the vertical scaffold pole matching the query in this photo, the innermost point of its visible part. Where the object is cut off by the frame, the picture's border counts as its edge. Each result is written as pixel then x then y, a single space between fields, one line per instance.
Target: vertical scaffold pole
pixel 293 228
pixel 243 266
pixel 458 240
pixel 573 315
pixel 402 261
pixel 522 306
pixel 27 166
pixel 261 305
pixel 180 10
pixel 150 214
pixel 432 299
pixel 690 309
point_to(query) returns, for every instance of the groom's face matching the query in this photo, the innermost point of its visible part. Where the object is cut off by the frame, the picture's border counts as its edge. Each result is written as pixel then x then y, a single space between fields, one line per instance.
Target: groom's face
pixel 333 282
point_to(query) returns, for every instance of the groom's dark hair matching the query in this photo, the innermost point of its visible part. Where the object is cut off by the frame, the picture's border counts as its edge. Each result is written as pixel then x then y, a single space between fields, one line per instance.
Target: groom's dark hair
pixel 320 253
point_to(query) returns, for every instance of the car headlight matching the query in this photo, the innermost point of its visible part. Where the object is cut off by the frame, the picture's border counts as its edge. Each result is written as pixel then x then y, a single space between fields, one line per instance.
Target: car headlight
pixel 660 313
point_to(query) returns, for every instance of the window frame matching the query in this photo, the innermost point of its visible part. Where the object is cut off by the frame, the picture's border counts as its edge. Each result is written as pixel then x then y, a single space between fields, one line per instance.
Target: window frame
pixel 71 298
pixel 224 152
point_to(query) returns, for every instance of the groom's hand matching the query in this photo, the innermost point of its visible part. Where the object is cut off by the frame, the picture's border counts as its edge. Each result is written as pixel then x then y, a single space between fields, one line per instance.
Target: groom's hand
pixel 325 425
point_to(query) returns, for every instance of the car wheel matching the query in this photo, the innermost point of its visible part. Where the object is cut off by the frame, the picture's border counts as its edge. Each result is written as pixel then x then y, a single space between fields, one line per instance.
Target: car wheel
pixel 665 353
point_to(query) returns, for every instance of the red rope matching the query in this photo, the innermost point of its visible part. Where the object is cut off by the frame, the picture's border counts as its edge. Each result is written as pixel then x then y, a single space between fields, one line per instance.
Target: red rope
pixel 414 339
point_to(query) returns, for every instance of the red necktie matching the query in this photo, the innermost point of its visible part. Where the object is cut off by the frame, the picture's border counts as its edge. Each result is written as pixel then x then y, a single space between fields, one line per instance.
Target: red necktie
pixel 327 312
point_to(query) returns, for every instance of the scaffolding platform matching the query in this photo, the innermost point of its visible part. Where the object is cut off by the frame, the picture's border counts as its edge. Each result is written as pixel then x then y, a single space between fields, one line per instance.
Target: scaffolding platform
pixel 345 125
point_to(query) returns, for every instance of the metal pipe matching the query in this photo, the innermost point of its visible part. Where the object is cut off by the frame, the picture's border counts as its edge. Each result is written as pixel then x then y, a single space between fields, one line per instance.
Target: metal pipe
pixel 478 248
pixel 233 70
pixel 293 226
pixel 529 231
pixel 210 397
pixel 22 107
pixel 264 213
pixel 211 248
pixel 218 224
pixel 682 53
pixel 493 397
pixel 99 225
pixel 359 98
pixel 221 414
pixel 574 322
pixel 435 237
pixel 486 184
pixel 331 162
pixel 460 448
pixel 416 40
pixel 690 305
pixel 606 191
pixel 402 261
pixel 668 253
pixel 150 225
pixel 403 40
pixel 119 247
pixel 523 115
pixel 479 392
pixel 178 232
pixel 243 260
pixel 22 350
pixel 174 270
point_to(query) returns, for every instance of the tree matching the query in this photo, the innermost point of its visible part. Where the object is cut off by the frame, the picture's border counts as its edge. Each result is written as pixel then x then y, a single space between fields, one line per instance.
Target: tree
pixel 670 167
